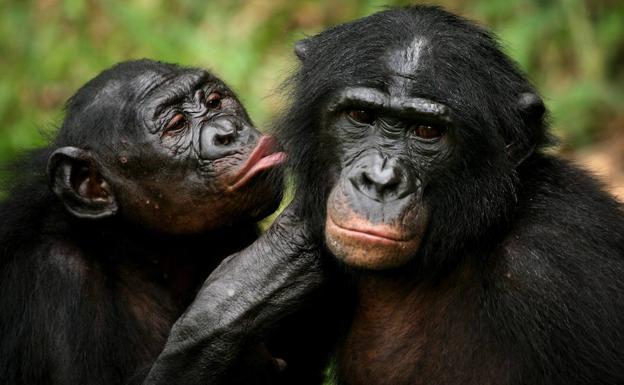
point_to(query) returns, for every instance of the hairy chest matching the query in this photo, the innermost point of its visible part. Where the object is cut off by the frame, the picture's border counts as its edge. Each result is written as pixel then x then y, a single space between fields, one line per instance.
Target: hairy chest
pixel 420 336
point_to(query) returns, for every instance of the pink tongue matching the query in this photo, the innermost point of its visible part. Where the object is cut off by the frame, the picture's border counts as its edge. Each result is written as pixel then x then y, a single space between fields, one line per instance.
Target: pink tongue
pixel 263 164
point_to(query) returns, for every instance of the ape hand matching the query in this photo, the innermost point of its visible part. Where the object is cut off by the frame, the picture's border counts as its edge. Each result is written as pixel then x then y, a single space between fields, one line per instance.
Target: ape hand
pixel 238 304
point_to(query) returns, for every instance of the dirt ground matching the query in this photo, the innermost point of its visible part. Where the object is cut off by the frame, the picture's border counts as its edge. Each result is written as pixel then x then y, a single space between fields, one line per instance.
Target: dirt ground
pixel 606 160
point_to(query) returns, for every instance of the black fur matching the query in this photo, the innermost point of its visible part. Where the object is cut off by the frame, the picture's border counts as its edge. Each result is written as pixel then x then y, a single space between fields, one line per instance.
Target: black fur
pixel 86 301
pixel 544 240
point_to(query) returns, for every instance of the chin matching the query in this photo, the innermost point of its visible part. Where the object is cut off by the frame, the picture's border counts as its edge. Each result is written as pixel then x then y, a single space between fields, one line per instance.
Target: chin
pixel 371 248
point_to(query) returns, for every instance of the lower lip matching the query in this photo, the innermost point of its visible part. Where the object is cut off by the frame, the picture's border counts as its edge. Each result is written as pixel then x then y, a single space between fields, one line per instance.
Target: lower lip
pixel 255 165
pixel 263 164
pixel 363 236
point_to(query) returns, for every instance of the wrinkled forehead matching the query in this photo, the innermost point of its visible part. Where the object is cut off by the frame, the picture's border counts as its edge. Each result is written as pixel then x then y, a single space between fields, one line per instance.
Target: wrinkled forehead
pixel 155 84
pixel 155 90
pixel 137 87
pixel 139 94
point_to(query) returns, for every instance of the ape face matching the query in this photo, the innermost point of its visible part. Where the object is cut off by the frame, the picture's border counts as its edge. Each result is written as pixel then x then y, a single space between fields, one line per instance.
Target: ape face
pixel 406 133
pixel 391 140
pixel 178 154
pixel 214 156
pixel 388 141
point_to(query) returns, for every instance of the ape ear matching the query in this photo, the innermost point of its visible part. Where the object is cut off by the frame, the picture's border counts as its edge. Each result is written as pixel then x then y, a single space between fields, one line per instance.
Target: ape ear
pixel 301 49
pixel 532 107
pixel 76 180
pixel 532 110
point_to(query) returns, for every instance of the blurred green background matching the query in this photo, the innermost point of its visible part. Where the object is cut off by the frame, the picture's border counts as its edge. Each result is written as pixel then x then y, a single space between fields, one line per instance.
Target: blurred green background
pixel 572 49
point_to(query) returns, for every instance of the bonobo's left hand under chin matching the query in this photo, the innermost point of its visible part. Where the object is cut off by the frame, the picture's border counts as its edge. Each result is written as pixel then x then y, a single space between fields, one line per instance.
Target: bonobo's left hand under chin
pixel 238 304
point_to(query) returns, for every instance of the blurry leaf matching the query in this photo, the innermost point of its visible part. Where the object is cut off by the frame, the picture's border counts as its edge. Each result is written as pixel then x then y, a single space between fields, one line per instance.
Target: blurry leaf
pixel 572 49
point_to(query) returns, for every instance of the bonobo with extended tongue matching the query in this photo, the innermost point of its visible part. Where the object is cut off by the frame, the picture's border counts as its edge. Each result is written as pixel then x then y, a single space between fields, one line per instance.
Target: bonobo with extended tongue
pixel 155 176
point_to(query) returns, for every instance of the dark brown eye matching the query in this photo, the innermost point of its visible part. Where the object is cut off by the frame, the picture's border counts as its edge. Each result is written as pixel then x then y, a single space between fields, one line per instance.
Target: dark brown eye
pixel 427 132
pixel 361 116
pixel 213 101
pixel 176 124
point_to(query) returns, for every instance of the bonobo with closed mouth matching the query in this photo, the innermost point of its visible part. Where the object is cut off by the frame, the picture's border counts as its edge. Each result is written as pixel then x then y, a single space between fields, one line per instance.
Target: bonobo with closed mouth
pixel 474 255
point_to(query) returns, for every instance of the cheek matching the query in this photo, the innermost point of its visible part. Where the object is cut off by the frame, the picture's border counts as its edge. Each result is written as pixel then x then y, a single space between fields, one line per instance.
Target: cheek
pixel 190 204
pixel 363 237
pixel 168 207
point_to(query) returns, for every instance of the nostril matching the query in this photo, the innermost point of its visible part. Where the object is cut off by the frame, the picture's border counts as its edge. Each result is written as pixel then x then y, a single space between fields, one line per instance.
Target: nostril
pixel 391 185
pixel 383 182
pixel 366 180
pixel 380 179
pixel 223 140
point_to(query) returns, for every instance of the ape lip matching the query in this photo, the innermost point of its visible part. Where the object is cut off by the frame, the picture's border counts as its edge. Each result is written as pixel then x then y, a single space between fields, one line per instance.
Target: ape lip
pixel 370 233
pixel 263 157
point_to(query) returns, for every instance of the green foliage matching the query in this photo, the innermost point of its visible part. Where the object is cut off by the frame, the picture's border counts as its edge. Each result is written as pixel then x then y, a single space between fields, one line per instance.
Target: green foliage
pixel 572 49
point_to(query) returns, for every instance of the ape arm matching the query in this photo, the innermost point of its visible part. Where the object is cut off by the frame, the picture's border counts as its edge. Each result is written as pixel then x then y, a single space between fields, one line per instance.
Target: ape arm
pixel 238 303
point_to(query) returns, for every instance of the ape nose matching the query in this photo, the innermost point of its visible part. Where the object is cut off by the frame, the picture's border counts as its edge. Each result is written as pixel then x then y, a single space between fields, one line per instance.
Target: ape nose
pixel 225 136
pixel 381 179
